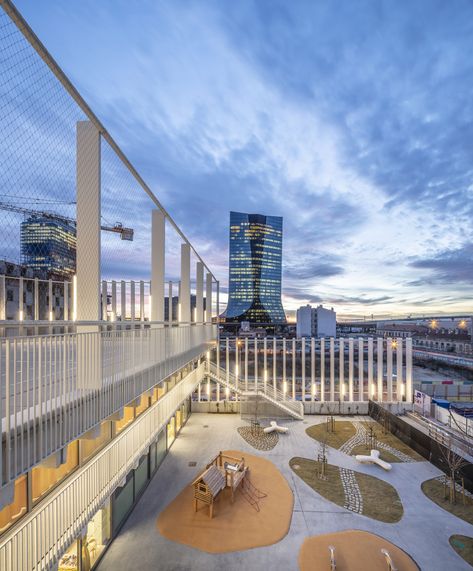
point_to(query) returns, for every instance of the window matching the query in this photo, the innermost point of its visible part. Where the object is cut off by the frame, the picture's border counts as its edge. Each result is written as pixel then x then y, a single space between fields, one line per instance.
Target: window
pixel 11 512
pixel 55 468
pixel 97 537
pixel 70 560
pixel 89 446
pixel 128 416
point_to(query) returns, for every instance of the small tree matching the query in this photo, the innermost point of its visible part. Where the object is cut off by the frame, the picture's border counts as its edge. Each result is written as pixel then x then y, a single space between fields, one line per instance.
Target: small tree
pixel 455 463
pixel 322 459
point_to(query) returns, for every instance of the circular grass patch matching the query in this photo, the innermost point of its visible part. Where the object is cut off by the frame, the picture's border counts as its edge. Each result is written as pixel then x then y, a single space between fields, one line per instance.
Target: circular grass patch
pixel 380 500
pixel 257 437
pixel 435 490
pixel 463 545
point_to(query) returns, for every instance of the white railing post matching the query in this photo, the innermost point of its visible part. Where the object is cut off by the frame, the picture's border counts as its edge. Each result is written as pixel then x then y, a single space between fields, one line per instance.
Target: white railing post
pixel 132 301
pixel 114 300
pixel 294 354
pixel 361 362
pixel 371 388
pixel 3 299
pixel 158 239
pixel 312 369
pixel 322 370
pixel 36 300
pixel 208 298
pixel 185 290
pixel 409 393
pixel 350 369
pixel 380 368
pixel 303 368
pixel 341 365
pixel 123 300
pixel 199 293
pixel 332 369
pixel 399 370
pixel 88 222
pixel 389 368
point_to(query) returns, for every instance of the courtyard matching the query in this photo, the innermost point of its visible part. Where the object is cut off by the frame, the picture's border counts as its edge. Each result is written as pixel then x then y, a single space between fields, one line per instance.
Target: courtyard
pixel 423 531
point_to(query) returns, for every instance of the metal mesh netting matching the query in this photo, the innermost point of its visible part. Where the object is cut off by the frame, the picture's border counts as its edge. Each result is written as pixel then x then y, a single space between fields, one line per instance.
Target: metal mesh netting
pixel 37 154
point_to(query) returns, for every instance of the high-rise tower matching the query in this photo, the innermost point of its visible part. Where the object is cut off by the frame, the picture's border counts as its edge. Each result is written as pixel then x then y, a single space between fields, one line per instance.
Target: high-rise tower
pixel 255 269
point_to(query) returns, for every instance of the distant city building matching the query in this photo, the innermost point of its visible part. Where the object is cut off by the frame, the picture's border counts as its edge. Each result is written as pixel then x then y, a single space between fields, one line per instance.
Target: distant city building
pixel 49 244
pixel 316 322
pixel 255 269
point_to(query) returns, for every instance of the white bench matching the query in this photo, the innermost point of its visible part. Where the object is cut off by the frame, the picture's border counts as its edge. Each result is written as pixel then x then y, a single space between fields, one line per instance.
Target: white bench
pixel 274 427
pixel 373 458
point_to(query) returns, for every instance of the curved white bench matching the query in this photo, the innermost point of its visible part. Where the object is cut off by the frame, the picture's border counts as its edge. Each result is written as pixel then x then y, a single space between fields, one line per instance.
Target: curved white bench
pixel 274 427
pixel 374 458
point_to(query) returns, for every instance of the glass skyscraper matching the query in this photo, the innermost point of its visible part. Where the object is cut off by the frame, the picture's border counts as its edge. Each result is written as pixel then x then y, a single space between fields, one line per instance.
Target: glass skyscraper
pixel 49 243
pixel 255 269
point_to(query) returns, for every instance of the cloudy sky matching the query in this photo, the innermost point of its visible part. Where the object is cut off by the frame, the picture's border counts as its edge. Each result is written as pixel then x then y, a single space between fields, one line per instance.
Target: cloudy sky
pixel 352 120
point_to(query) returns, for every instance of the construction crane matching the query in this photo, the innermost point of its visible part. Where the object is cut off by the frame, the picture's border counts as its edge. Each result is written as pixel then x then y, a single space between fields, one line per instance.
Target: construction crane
pixel 118 228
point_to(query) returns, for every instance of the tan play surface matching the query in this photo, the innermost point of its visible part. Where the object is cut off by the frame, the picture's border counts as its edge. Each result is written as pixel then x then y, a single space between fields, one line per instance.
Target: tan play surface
pixel 354 551
pixel 237 526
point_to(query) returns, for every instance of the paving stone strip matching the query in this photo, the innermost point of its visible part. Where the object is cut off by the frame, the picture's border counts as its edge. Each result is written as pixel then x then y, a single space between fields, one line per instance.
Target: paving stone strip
pixel 361 438
pixel 355 440
pixel 353 497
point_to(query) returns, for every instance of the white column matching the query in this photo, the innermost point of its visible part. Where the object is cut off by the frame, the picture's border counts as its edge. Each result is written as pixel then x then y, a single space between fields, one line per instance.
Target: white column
pixel 208 298
pixel 158 243
pixel 246 363
pixel 66 301
pixel 256 363
pixel 409 393
pixel 371 389
pixel 123 299
pixel 303 368
pixel 50 300
pixel 399 368
pixel 36 299
pixel 322 370
pixel 21 306
pixel 185 293
pixel 389 368
pixel 274 365
pixel 88 222
pixel 170 303
pixel 227 360
pixel 142 300
pixel 341 358
pixel 380 368
pixel 3 299
pixel 104 300
pixel 350 369
pixel 312 368
pixel 284 381
pixel 199 292
pixel 332 369
pixel 294 354
pixel 265 363
pixel 361 357
pixel 218 300
pixel 237 371
pixel 114 300
pixel 132 300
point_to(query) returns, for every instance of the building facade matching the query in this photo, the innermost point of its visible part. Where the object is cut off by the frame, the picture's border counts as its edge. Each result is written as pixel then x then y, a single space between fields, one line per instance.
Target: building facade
pixel 255 269
pixel 49 243
pixel 316 322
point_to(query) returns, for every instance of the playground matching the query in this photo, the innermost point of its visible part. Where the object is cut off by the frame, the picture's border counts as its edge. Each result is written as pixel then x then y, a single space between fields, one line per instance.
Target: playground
pixel 250 505
pixel 164 532
pixel 352 550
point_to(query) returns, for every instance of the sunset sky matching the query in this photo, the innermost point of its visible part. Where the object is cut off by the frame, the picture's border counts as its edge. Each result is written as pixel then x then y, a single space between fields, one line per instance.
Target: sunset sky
pixel 352 120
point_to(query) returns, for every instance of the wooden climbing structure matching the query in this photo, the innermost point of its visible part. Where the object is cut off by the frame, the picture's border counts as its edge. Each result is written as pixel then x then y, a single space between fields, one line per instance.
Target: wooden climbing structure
pixel 221 472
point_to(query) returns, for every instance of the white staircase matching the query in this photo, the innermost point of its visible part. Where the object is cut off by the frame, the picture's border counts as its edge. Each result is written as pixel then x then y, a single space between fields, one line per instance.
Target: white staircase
pixel 292 407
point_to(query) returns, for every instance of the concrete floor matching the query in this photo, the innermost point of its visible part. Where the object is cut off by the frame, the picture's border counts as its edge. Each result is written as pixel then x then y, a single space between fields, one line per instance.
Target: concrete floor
pixel 423 531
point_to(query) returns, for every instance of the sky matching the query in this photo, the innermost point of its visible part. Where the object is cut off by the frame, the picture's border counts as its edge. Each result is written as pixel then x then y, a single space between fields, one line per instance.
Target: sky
pixel 352 120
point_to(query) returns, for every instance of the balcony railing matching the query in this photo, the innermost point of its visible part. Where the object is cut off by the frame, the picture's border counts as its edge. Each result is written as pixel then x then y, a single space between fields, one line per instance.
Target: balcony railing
pixel 53 388
pixel 44 535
